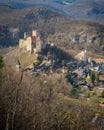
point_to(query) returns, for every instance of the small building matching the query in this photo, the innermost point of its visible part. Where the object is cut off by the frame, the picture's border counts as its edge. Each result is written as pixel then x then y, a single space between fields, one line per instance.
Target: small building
pixel 18 66
pixel 64 69
pixel 99 60
pixel 84 88
pixel 100 89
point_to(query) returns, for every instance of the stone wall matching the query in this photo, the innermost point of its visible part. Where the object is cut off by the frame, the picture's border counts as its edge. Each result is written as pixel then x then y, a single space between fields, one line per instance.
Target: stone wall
pixel 29 44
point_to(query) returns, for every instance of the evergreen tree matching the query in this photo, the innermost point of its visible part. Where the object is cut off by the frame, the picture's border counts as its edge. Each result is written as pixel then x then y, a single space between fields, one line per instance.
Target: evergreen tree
pixel 68 76
pixel 63 63
pixel 92 76
pixel 1 62
pixel 74 92
pixel 102 94
pixel 97 78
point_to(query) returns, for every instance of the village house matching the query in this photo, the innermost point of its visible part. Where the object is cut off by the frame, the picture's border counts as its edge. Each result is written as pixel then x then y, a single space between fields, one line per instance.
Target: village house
pixel 18 66
pixel 99 60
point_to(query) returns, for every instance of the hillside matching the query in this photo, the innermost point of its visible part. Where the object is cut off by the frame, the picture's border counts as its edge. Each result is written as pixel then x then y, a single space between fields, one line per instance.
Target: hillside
pixel 42 85
pixel 80 9
pixel 53 26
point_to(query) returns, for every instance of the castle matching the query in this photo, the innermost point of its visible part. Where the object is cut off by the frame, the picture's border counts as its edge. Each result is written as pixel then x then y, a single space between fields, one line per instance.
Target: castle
pixel 32 44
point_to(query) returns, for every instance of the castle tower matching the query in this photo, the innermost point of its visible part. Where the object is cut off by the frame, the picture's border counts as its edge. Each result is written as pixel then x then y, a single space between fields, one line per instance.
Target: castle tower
pixel 25 35
pixel 29 44
pixel 34 33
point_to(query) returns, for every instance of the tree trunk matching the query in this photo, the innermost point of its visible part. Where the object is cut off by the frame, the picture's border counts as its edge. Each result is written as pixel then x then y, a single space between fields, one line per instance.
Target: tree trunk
pixel 16 101
pixel 7 121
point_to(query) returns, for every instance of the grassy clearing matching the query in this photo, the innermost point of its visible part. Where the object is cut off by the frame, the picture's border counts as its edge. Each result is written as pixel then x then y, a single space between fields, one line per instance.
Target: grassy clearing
pixel 27 59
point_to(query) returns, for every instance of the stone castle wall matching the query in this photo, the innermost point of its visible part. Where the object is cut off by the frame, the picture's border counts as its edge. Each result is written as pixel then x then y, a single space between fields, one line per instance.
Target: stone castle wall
pixel 34 33
pixel 27 45
pixel 22 44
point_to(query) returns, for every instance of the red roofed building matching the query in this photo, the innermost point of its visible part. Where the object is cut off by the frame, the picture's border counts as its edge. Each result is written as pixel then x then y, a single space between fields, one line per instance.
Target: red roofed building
pixel 99 60
pixel 33 38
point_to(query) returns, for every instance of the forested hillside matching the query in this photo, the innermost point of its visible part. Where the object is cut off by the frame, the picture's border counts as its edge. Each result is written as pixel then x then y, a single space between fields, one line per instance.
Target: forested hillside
pixel 50 89
pixel 77 9
pixel 35 104
pixel 54 27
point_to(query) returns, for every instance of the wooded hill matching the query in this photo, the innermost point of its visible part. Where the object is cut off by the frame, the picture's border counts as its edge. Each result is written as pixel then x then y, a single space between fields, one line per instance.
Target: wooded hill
pixel 53 26
pixel 87 9
pixel 35 104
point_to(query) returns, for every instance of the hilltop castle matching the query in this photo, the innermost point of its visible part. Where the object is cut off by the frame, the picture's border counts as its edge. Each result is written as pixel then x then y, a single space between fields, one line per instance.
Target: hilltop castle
pixel 32 44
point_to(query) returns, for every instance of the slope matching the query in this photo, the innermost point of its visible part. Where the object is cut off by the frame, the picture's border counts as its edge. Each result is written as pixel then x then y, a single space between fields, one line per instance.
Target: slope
pixel 53 26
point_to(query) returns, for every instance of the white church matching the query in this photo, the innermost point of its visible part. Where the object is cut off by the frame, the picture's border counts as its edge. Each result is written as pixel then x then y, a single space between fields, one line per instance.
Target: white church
pixel 82 56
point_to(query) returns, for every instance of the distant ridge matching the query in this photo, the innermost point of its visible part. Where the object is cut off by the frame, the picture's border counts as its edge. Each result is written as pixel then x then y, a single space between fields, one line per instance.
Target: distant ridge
pixel 77 9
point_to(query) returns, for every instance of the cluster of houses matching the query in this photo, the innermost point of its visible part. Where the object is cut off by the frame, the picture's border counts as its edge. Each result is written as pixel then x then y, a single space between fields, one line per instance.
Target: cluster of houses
pixel 83 56
pixel 94 64
pixel 35 45
pixel 80 64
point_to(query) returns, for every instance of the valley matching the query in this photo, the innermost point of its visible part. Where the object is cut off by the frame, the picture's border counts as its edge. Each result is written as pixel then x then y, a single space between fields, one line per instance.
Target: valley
pixel 51 66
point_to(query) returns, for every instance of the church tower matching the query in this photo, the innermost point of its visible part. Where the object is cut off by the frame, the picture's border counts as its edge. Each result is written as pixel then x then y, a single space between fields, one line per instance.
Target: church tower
pixel 25 36
pixel 86 55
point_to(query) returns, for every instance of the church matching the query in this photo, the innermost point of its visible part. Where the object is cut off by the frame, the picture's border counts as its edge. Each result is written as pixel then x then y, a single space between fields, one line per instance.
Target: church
pixel 82 56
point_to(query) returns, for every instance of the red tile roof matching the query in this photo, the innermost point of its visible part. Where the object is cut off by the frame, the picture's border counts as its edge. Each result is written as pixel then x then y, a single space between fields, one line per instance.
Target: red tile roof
pixel 101 105
pixel 33 38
